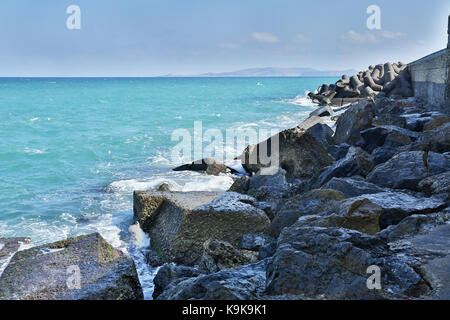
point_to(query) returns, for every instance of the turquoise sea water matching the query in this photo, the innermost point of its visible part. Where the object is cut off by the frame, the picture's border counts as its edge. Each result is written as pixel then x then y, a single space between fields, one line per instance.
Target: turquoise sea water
pixel 73 150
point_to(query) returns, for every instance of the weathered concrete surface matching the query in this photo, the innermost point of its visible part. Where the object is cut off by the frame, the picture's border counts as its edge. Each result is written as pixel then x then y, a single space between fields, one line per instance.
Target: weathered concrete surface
pixel 49 272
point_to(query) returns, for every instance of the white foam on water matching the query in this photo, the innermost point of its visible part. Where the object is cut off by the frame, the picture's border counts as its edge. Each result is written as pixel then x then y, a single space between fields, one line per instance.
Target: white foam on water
pixel 1 246
pixel 34 151
pixel 301 100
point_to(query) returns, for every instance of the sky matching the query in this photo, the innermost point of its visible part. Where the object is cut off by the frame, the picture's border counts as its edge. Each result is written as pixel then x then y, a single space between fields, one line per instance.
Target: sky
pixel 140 38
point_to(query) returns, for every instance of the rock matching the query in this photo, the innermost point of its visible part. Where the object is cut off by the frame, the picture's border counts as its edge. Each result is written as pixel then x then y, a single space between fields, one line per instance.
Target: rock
pixel 269 208
pixel 267 250
pixel 389 136
pixel 356 162
pixel 357 214
pixel 437 140
pixel 412 225
pixel 323 133
pixel 179 223
pixel 399 205
pixel 163 187
pixel 240 185
pixel 389 119
pixel 407 169
pixel 254 241
pixel 332 263
pixel 45 272
pixel 357 118
pixel 220 255
pixel 436 123
pixel 383 154
pixel 244 283
pixel 436 184
pixel 338 151
pixel 170 273
pixel 298 152
pixel 268 185
pixel 416 121
pixel 319 200
pixel 322 112
pixel 153 259
pixel 208 165
pixel 352 187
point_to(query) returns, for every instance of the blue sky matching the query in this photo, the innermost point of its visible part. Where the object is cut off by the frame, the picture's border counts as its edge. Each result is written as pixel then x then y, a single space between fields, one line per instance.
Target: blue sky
pixel 155 37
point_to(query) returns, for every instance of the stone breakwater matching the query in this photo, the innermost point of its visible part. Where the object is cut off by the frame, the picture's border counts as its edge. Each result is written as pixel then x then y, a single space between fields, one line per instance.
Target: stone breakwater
pixel 359 186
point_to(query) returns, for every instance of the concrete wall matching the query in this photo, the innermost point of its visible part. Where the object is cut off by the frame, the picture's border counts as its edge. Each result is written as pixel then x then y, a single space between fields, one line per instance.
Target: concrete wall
pixel 430 79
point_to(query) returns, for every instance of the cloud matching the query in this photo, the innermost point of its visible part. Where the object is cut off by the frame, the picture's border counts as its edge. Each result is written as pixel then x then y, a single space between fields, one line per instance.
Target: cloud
pixel 265 37
pixel 301 38
pixel 371 36
pixel 228 45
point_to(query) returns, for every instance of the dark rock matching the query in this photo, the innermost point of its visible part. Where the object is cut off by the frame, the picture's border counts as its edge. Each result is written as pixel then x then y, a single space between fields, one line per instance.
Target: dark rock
pixel 357 118
pixel 437 140
pixel 332 263
pixel 254 241
pixel 356 162
pixel 269 208
pixel 389 136
pixel 436 123
pixel 407 169
pixel 240 185
pixel 319 200
pixel 338 151
pixel 220 255
pixel 172 274
pixel 383 154
pixel 398 205
pixel 295 150
pixel 268 185
pixel 352 187
pixel 45 272
pixel 153 259
pixel 163 187
pixel 391 120
pixel 436 184
pixel 244 283
pixel 323 133
pixel 267 250
pixel 179 223
pixel 207 165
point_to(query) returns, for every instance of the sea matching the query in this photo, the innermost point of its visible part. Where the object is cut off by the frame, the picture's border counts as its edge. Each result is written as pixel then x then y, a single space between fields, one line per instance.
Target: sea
pixel 73 150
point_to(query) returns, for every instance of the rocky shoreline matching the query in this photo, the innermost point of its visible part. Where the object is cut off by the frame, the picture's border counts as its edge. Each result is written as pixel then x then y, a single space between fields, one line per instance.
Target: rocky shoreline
pixel 358 187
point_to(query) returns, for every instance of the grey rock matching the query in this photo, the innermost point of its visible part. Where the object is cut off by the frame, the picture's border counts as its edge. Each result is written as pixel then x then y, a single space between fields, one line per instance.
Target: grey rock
pixel 338 151
pixel 42 273
pixel 332 263
pixel 437 140
pixel 383 154
pixel 357 118
pixel 179 223
pixel 244 283
pixel 254 241
pixel 267 250
pixel 356 162
pixel 240 185
pixel 171 274
pixel 323 133
pixel 436 184
pixel 353 187
pixel 268 185
pixel 405 170
pixel 389 136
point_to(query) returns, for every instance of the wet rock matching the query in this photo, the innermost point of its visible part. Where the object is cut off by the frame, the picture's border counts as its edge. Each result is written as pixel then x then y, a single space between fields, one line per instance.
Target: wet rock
pixel 353 187
pixel 179 223
pixel 44 272
pixel 356 162
pixel 240 185
pixel 153 259
pixel 171 274
pixel 244 283
pixel 319 200
pixel 208 165
pixel 295 150
pixel 332 263
pixel 399 205
pixel 407 169
pixel 254 241
pixel 357 118
pixel 163 187
pixel 220 255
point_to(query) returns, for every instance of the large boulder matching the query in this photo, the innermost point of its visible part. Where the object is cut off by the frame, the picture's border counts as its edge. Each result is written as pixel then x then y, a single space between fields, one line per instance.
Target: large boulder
pixel 388 136
pixel 357 118
pixel 49 272
pixel 323 133
pixel 398 205
pixel 297 152
pixel 352 187
pixel 244 283
pixel 436 140
pixel 319 200
pixel 356 162
pixel 268 185
pixel 438 184
pixel 333 263
pixel 405 170
pixel 179 223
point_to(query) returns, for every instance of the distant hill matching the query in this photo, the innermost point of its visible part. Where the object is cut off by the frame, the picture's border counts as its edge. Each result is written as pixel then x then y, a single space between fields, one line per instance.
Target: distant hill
pixel 275 72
